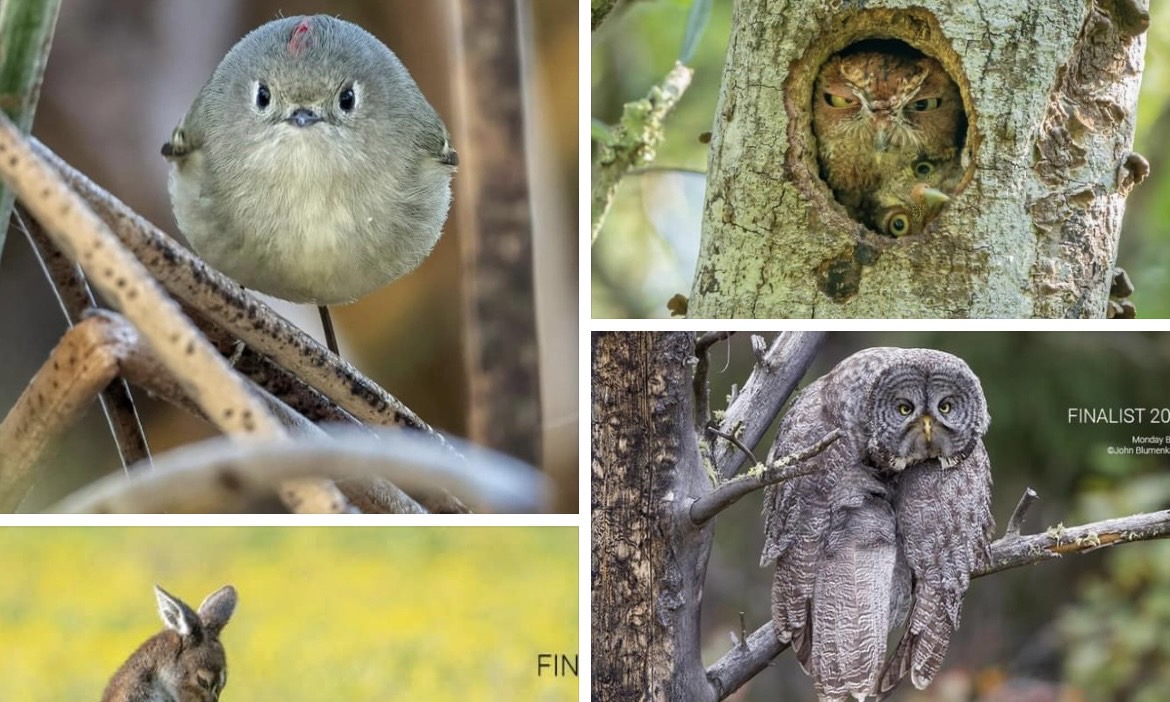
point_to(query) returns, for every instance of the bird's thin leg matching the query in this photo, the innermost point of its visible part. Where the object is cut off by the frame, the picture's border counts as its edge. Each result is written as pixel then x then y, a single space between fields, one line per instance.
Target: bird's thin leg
pixel 327 324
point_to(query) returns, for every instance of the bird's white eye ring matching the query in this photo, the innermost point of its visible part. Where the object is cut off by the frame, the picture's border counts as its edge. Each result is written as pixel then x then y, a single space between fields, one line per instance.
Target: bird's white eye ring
pixel 898 224
pixel 923 168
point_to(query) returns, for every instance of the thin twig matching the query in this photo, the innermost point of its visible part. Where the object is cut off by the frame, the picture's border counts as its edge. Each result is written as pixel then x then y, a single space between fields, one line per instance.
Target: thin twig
pixel 701 389
pixel 738 665
pixel 760 351
pixel 75 298
pixel 786 468
pixel 736 442
pixel 1021 512
pixel 634 139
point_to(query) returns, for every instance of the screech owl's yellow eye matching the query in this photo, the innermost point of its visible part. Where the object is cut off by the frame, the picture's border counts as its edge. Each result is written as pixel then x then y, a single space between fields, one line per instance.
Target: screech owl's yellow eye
pixel 905 408
pixel 923 168
pixel 839 101
pixel 898 225
pixel 926 104
pixel 945 407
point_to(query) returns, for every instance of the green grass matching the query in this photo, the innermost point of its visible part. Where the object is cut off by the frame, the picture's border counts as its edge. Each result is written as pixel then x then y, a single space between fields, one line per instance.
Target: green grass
pixel 324 613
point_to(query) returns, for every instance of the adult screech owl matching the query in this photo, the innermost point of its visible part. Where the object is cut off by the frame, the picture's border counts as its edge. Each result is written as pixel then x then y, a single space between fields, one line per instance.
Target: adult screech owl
pixel 875 111
pixel 889 526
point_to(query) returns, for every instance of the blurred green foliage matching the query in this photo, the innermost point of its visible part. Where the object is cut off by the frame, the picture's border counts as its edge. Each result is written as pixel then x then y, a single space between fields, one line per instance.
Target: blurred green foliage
pixel 1068 621
pixel 339 613
pixel 637 46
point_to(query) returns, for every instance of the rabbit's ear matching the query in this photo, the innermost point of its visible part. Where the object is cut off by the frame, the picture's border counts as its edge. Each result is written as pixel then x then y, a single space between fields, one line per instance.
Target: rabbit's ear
pixel 177 616
pixel 217 609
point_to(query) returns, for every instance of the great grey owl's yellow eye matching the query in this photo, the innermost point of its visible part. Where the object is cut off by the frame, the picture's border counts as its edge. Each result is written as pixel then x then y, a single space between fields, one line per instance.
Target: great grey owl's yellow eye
pixel 923 168
pixel 926 104
pixel 905 408
pixel 945 407
pixel 839 101
pixel 898 225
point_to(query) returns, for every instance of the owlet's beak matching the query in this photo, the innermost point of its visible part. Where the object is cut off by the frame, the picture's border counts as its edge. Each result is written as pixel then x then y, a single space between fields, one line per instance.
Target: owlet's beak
pixel 303 117
pixel 931 199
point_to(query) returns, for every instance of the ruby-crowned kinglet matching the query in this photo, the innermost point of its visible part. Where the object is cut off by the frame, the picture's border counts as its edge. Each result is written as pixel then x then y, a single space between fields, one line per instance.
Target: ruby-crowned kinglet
pixel 310 167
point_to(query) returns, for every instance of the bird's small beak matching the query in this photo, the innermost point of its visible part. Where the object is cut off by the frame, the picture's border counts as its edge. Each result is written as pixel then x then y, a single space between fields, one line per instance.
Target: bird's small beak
pixel 303 117
pixel 930 198
pixel 927 423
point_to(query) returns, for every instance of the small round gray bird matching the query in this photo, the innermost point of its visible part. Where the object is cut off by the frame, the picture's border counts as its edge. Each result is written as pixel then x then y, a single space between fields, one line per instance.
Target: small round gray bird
pixel 310 166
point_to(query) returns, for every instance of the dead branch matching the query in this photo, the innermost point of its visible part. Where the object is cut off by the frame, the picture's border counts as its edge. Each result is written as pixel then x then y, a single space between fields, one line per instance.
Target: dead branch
pixel 223 476
pixel 742 663
pixel 701 389
pixel 764 394
pixel 728 493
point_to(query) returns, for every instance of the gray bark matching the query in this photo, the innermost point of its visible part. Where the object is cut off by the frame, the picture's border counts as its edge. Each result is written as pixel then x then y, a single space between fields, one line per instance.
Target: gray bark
pixel 1050 89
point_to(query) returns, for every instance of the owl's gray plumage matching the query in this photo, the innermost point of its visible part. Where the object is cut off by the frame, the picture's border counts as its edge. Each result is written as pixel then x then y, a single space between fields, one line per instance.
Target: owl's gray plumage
pixel 897 510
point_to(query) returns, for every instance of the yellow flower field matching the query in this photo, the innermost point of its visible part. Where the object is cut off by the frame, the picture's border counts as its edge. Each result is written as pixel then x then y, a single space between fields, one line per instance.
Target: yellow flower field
pixel 324 614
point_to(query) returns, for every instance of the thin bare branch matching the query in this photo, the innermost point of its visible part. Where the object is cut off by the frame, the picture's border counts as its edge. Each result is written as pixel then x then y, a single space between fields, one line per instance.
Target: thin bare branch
pixel 1021 512
pixel 701 389
pixel 738 665
pixel 222 476
pixel 764 394
pixel 728 493
pixel 735 442
pixel 75 298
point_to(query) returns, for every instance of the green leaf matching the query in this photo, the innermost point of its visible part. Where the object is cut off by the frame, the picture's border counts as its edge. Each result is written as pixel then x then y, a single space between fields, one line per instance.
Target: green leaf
pixel 26 31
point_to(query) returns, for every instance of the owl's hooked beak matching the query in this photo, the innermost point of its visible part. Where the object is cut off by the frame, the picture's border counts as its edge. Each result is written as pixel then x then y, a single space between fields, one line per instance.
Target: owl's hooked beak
pixel 927 427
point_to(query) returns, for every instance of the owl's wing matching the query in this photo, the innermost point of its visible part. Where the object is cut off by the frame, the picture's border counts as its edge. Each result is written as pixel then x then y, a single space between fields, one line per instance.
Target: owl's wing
pixel 945 524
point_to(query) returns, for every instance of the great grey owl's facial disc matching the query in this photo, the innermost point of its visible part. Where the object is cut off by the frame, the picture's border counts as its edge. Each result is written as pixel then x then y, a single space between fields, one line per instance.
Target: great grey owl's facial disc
pixel 918 415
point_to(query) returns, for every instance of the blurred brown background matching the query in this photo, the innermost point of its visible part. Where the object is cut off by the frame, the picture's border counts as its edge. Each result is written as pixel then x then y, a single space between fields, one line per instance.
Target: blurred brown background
pixel 123 72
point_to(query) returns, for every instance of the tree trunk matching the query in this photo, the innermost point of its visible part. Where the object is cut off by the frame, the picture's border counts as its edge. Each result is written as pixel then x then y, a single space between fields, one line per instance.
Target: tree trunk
pixel 1050 90
pixel 649 563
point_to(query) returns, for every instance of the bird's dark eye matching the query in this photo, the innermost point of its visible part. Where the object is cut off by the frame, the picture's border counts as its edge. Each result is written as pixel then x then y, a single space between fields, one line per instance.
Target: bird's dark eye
pixel 346 100
pixel 924 168
pixel 263 97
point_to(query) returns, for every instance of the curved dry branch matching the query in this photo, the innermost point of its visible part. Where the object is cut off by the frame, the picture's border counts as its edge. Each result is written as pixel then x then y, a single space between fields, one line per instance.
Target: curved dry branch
pixel 221 476
pixel 743 662
pixel 764 393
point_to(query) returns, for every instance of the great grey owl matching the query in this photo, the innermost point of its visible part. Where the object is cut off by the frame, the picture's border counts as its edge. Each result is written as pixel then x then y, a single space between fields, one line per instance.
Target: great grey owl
pixel 888 527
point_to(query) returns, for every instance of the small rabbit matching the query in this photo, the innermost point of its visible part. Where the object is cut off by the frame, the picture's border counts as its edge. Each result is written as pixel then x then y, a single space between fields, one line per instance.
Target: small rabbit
pixel 184 662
